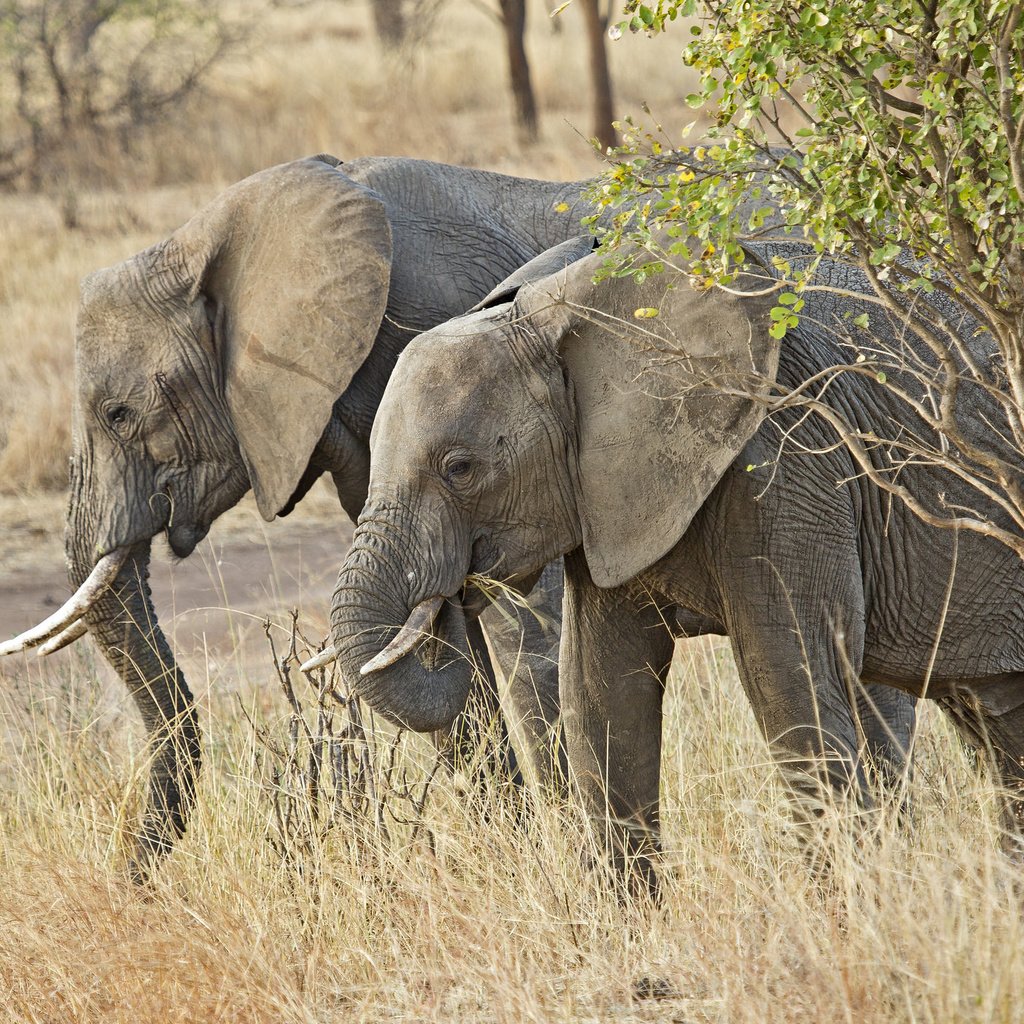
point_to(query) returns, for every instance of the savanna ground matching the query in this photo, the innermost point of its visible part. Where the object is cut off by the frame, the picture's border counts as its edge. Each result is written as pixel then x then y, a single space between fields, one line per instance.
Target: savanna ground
pixel 463 909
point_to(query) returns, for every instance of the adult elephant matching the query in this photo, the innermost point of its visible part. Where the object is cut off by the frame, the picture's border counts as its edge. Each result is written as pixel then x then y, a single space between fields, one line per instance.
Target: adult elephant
pixel 250 349
pixel 638 449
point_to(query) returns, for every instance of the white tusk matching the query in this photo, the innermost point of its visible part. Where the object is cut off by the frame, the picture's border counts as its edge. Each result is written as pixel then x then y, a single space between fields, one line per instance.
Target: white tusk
pixel 325 657
pixel 102 575
pixel 74 632
pixel 416 627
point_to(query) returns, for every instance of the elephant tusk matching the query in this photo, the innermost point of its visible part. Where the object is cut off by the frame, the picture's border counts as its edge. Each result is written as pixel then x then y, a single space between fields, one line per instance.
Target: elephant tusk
pixel 416 627
pixel 103 574
pixel 325 657
pixel 74 632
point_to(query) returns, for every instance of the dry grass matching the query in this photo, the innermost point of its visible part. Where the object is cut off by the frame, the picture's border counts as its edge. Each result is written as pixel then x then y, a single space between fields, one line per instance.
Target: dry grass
pixel 481 916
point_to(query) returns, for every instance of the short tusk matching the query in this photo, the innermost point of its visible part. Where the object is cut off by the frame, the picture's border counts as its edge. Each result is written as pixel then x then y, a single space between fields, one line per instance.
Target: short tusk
pixel 416 627
pixel 103 574
pixel 74 632
pixel 325 657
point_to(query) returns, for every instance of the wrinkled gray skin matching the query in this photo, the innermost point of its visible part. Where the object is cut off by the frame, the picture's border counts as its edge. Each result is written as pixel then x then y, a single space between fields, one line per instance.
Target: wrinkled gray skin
pixel 679 511
pixel 251 349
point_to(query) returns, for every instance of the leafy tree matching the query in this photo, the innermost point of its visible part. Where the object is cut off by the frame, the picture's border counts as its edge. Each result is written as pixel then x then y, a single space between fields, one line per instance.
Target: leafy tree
pixel 885 133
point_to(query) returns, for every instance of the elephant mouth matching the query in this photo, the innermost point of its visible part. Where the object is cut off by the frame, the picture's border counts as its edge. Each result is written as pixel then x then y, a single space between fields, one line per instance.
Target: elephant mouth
pixel 426 624
pixel 473 600
pixel 488 578
pixel 183 537
pixel 485 577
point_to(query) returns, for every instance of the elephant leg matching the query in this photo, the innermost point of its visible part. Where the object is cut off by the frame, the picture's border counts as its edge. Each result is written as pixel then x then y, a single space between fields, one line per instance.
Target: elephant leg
pixel 800 666
pixel 790 580
pixel 477 745
pixel 887 718
pixel 615 656
pixel 991 719
pixel 523 639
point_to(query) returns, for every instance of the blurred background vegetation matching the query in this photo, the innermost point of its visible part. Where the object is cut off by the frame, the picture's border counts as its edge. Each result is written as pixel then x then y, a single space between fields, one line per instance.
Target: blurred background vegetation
pixel 119 118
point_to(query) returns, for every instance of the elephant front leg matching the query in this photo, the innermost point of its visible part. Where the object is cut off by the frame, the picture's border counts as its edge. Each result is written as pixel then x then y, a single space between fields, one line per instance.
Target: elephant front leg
pixel 888 718
pixel 800 664
pixel 523 640
pixel 477 744
pixel 615 656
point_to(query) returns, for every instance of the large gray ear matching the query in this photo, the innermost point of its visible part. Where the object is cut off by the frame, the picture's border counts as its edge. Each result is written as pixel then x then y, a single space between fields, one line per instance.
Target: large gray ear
pixel 558 257
pixel 656 424
pixel 297 261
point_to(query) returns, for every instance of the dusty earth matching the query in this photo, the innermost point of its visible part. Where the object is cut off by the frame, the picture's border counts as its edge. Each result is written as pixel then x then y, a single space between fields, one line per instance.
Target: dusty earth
pixel 212 604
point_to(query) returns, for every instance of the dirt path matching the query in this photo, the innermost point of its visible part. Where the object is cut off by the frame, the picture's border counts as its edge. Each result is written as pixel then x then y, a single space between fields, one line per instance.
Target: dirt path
pixel 211 605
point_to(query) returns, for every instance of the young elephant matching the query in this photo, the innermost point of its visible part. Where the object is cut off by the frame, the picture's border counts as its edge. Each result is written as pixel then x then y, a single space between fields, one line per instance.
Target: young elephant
pixel 560 424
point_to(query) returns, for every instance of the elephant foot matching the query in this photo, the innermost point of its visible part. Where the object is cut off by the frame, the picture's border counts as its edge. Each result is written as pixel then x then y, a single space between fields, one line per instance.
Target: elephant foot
pixel 153 844
pixel 647 987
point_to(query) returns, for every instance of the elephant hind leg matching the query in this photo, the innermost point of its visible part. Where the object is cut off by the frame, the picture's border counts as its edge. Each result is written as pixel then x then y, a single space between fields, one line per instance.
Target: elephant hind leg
pixel 995 729
pixel 887 718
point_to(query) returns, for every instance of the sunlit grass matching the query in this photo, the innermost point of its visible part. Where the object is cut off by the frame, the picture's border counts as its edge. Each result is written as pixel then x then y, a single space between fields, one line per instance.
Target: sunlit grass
pixel 475 911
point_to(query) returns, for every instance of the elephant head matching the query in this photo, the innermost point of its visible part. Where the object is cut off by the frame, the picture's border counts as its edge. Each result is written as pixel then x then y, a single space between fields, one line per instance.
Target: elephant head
pixel 206 365
pixel 567 416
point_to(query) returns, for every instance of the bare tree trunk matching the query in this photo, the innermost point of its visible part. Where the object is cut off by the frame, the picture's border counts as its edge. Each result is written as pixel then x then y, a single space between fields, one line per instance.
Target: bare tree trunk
pixel 389 22
pixel 513 20
pixel 600 76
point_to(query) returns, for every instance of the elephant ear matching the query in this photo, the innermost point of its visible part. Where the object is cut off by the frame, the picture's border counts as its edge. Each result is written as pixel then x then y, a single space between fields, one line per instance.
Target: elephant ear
pixel 297 261
pixel 558 257
pixel 663 404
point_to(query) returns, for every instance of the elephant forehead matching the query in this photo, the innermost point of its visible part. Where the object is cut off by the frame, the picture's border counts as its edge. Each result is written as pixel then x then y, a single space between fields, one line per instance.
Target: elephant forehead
pixel 450 373
pixel 118 321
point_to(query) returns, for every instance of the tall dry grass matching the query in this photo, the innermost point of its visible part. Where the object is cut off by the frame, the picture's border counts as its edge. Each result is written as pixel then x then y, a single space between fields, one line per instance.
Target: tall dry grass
pixel 477 912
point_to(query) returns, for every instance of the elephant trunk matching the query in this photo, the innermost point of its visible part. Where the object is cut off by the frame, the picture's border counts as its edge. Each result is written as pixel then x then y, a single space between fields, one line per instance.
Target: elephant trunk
pixel 125 626
pixel 422 684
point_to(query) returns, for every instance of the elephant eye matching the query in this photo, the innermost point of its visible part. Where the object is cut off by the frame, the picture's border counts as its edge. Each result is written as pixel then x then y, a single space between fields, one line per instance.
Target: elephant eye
pixel 457 468
pixel 118 415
